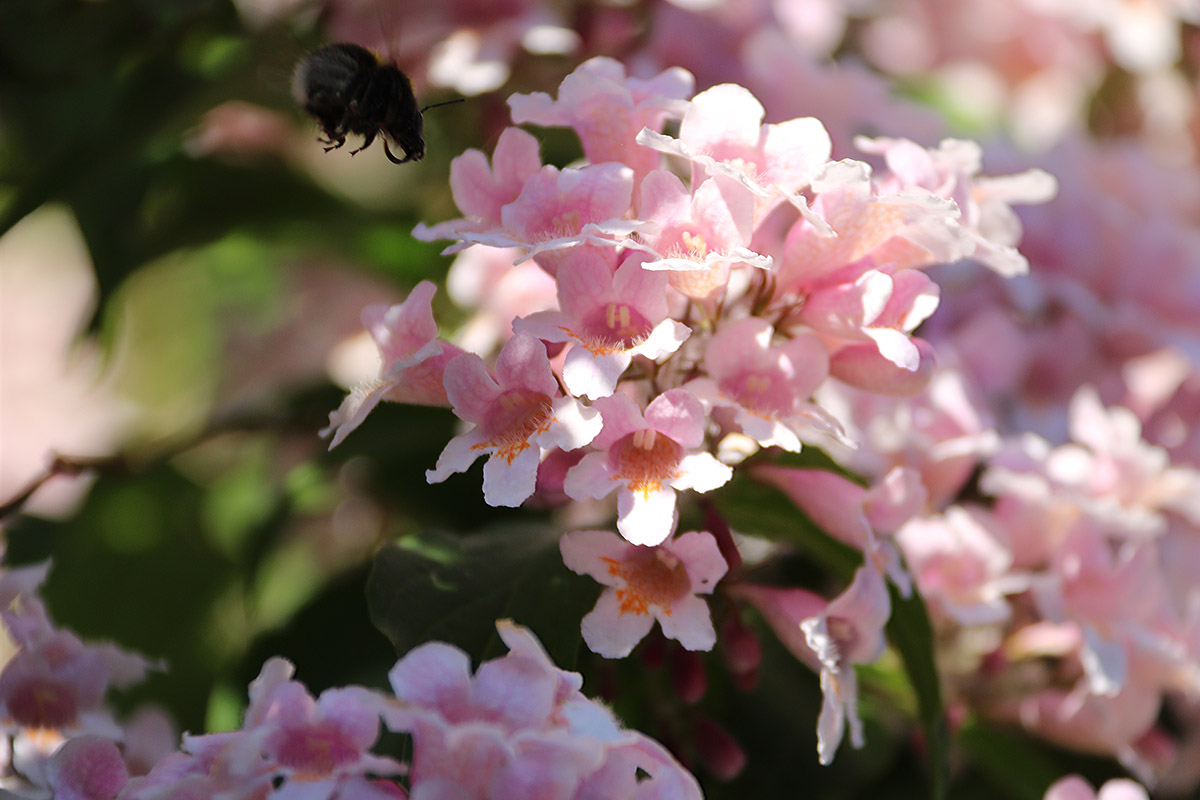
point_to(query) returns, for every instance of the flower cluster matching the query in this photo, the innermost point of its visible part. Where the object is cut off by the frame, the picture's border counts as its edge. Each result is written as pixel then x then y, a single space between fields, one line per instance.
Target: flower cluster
pixel 709 288
pixel 518 725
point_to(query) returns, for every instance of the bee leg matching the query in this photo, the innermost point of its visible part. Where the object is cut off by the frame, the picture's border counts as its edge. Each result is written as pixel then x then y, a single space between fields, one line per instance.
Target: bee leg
pixel 392 158
pixel 333 141
pixel 370 137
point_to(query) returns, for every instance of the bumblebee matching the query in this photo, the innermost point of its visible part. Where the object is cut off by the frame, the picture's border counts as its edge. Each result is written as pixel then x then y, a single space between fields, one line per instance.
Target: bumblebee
pixel 348 89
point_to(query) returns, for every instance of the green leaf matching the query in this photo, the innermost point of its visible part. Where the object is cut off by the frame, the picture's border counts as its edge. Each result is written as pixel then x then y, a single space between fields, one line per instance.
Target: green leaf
pixel 994 750
pixel 438 586
pixel 758 510
pixel 911 635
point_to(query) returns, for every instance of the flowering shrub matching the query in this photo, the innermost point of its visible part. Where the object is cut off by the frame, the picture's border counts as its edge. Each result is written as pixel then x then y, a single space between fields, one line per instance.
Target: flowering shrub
pixel 813 443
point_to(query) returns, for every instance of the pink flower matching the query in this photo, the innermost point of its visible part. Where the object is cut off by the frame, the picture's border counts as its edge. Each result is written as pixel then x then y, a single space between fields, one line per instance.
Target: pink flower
pixel 646 459
pixel 783 609
pixel 518 728
pixel 214 765
pixel 943 432
pixel 961 566
pixel 767 385
pixel 518 416
pixel 875 227
pixel 830 637
pixel 853 514
pixel 1074 787
pixel 318 747
pixel 722 134
pixel 848 632
pixel 562 209
pixel 53 688
pixel 952 171
pixel 485 281
pixel 608 109
pixel 86 768
pixel 646 584
pixel 412 360
pixel 880 308
pixel 56 393
pixel 608 318
pixel 702 234
pixel 481 191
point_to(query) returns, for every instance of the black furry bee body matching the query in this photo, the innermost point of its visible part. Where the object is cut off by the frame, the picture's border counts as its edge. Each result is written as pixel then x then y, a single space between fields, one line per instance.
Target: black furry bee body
pixel 347 89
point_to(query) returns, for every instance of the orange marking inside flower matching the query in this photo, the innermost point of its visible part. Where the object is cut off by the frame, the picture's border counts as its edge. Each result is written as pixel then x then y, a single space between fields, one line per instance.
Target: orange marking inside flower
pixel 516 416
pixel 650 577
pixel 613 328
pixel 646 459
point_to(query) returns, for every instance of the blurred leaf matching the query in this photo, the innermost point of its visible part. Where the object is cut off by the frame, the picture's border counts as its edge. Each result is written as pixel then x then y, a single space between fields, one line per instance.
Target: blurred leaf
pixel 437 586
pixel 996 752
pixel 911 634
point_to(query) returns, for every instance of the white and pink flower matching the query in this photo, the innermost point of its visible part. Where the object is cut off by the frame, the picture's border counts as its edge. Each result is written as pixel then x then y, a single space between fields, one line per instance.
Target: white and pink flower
pixel 518 416
pixel 607 318
pixel 412 362
pixel 607 109
pixel 646 459
pixel 767 385
pixel 646 584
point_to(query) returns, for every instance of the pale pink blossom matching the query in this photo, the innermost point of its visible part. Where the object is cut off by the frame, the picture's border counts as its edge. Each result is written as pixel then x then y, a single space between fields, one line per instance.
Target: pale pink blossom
pixel 485 281
pixel 702 234
pixel 848 632
pixel 412 360
pixel 54 687
pixel 863 518
pixel 519 727
pixel 1074 787
pixel 227 765
pixel 878 308
pixel 57 392
pixel 1087 722
pixel 646 584
pixel 845 95
pixel 1120 603
pixel 481 190
pixel 517 416
pixel 952 171
pixel 607 318
pixel 557 210
pixel 86 768
pixel 875 226
pixel 766 385
pixel 830 637
pixel 318 748
pixel 783 609
pixel 722 134
pixel 943 432
pixel 961 564
pixel 979 55
pixel 608 109
pixel 646 459
pixel 1109 472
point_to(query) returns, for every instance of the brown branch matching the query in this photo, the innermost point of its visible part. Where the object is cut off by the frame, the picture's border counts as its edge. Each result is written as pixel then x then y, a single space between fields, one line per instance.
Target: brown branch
pixel 60 465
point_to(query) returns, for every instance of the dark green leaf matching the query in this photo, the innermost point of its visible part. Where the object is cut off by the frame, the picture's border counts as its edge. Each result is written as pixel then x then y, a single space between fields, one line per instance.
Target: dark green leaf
pixel 911 634
pixel 437 586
